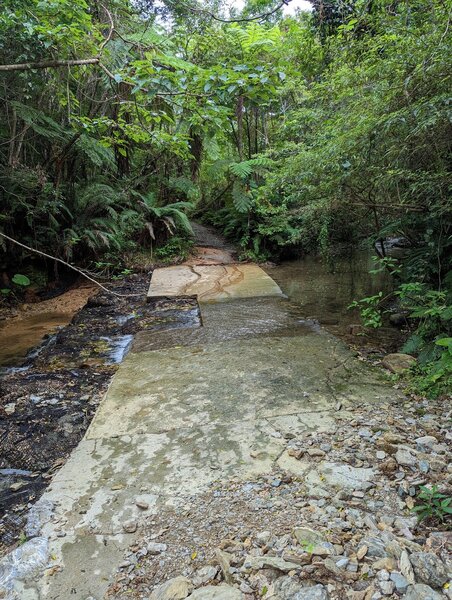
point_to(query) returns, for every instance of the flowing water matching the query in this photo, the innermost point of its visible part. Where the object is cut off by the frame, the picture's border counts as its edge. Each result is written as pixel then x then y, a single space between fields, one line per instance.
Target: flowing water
pixel 315 291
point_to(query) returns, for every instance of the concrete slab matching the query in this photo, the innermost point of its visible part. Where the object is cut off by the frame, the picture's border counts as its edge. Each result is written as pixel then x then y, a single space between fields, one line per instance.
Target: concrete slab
pixel 241 379
pixel 190 407
pixel 213 283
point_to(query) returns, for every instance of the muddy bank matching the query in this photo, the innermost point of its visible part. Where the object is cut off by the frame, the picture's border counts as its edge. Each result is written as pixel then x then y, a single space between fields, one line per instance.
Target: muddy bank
pixel 23 327
pixel 47 403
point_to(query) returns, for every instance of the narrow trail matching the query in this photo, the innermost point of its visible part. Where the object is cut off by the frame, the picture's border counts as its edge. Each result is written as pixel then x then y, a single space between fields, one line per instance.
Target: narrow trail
pixel 190 407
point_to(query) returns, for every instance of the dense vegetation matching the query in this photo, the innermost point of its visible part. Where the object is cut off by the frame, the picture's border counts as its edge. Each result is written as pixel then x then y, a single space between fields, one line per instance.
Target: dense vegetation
pixel 290 134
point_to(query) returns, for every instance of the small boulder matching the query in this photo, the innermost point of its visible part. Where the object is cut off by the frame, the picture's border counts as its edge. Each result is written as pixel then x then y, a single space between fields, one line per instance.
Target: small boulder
pixel 177 588
pixel 217 592
pixel 429 568
pixel 419 591
pixel 398 362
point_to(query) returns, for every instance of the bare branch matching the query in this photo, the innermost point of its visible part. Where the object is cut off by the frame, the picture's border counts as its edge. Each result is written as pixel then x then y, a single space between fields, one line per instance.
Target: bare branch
pixel 202 11
pixel 47 64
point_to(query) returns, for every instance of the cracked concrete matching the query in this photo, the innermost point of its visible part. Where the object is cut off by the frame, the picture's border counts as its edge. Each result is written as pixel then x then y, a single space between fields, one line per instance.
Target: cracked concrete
pixel 190 407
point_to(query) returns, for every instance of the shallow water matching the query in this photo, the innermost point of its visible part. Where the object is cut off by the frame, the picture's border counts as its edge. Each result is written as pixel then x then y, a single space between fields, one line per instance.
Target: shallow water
pixel 18 337
pixel 324 293
pixel 314 289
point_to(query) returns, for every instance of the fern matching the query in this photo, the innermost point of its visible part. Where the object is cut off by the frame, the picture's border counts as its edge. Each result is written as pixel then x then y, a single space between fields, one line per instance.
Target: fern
pixel 41 123
pixel 242 170
pixel 99 155
pixel 242 200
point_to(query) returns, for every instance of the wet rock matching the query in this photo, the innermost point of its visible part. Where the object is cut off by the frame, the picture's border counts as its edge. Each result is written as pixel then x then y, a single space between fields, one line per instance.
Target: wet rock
pixel 217 592
pixel 177 588
pixel 422 592
pixel 398 362
pixel 429 568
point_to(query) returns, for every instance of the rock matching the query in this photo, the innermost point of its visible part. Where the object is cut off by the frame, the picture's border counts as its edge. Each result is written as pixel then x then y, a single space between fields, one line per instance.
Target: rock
pixel 422 592
pixel 405 567
pixel 263 537
pixel 130 526
pixel 385 563
pixel 375 546
pixel 346 477
pixel 10 408
pixel 383 575
pixel 425 442
pixel 400 582
pixel 204 575
pixel 398 362
pixel 398 319
pixel 177 588
pixel 405 457
pixel 295 452
pixel 156 548
pixel 316 452
pixel 305 535
pixel 217 592
pixel 323 549
pixel 381 455
pixel 141 504
pixel 429 568
pixel 316 592
pixel 224 560
pixel 362 551
pixel 256 563
pixel 286 588
pixel 387 588
pixel 269 562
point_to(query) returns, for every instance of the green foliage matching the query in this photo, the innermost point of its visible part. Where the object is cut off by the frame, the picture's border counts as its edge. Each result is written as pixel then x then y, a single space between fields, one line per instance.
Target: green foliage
pixel 433 377
pixel 369 309
pixel 21 280
pixel 432 504
pixel 176 249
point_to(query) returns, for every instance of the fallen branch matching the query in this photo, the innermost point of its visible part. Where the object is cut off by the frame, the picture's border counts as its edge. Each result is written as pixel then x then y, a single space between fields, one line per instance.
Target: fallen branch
pixel 63 262
pixel 48 64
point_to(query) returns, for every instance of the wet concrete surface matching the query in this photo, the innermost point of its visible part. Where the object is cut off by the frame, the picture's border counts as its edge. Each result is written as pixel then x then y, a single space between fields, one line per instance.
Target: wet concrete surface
pixel 212 283
pixel 189 407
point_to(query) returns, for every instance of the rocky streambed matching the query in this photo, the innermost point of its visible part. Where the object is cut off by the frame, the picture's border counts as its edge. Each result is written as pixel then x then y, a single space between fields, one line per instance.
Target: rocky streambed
pixel 47 403
pixel 336 522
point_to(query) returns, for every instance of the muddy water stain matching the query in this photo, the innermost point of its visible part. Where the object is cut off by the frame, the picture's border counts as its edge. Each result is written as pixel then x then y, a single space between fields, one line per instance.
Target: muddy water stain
pixel 17 337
